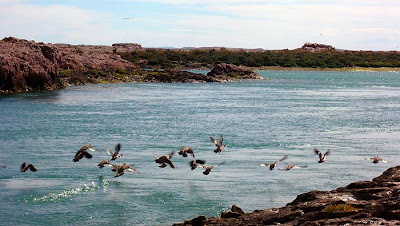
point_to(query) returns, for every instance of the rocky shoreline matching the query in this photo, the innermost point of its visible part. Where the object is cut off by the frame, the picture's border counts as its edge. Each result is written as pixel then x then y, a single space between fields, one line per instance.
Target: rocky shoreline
pixel 375 202
pixel 34 66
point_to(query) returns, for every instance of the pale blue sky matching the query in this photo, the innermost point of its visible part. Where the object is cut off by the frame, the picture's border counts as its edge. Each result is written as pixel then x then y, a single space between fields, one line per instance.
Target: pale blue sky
pixel 268 24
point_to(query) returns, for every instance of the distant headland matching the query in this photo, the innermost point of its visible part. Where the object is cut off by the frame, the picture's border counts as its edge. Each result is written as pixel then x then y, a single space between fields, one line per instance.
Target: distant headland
pixel 33 66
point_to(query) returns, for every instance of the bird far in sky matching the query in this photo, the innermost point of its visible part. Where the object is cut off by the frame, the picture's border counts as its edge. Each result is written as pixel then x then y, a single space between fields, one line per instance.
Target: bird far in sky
pixel 267 24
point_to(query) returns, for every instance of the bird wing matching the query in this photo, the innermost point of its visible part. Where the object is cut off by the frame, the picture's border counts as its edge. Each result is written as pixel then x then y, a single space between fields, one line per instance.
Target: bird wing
pixel 199 161
pixel 23 165
pixel 171 154
pixel 117 148
pixel 316 151
pixel 284 157
pixel 109 152
pixel 131 169
pixel 214 140
pixel 32 168
pixel 327 152
pixel 87 155
pixel 78 155
pixel 221 140
pixel 265 164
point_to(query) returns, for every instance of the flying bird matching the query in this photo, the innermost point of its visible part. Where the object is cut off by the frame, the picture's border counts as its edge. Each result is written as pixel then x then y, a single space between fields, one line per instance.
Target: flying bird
pixel 220 144
pixel 25 167
pixel 291 166
pixel 128 18
pixel 209 168
pixel 185 151
pixel 116 154
pixel 322 157
pixel 273 165
pixel 164 160
pixel 121 169
pixel 376 160
pixel 83 153
pixel 195 163
pixel 104 163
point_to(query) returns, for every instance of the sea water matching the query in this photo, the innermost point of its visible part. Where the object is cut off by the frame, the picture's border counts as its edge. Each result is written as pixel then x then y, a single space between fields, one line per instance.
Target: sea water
pixel 354 114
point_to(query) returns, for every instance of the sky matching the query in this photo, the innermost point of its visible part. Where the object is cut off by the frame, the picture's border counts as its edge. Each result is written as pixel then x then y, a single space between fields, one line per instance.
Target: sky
pixel 267 24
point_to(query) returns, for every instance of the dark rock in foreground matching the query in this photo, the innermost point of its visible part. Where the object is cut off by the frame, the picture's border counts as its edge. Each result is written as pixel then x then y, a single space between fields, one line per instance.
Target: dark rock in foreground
pixel 375 202
pixel 229 71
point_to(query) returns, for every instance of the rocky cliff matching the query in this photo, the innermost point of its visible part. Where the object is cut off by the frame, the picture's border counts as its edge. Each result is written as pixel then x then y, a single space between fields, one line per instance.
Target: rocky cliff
pixel 27 65
pixel 32 66
pixel 375 202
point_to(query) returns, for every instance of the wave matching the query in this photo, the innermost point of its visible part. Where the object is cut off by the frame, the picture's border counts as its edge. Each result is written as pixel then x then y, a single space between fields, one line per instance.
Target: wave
pixel 73 192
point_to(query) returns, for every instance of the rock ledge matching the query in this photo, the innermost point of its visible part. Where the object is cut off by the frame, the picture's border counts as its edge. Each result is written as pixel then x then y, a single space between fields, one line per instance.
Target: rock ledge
pixel 375 202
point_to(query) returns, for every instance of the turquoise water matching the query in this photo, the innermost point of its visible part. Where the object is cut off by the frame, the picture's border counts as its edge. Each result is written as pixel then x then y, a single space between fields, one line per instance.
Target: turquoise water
pixel 355 114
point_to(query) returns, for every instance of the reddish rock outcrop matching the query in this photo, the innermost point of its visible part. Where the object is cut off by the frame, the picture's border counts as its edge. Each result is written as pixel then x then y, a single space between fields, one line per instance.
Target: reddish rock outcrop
pixel 126 47
pixel 27 65
pixel 375 202
pixel 87 57
pixel 229 71
pixel 316 47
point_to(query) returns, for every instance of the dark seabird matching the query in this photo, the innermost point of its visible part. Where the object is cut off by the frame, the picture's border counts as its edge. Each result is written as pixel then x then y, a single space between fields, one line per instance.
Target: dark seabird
pixel 116 154
pixel 220 145
pixel 376 160
pixel 322 157
pixel 184 151
pixel 83 153
pixel 209 168
pixel 25 167
pixel 291 166
pixel 164 160
pixel 121 169
pixel 273 165
pixel 195 163
pixel 103 163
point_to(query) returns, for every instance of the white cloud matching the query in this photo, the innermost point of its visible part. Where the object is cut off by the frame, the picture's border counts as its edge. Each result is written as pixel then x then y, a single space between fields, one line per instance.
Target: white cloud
pixel 352 24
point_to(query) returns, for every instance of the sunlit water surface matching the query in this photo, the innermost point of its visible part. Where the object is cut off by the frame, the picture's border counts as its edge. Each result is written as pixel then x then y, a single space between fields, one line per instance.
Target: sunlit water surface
pixel 355 114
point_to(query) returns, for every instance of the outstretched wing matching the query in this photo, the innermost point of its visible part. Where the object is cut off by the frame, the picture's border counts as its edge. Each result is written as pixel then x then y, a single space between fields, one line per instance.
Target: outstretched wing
pixel 199 161
pixel 131 169
pixel 284 157
pixel 109 152
pixel 78 156
pixel 87 155
pixel 265 164
pixel 327 152
pixel 117 148
pixel 32 168
pixel 171 154
pixel 23 165
pixel 214 140
pixel 221 140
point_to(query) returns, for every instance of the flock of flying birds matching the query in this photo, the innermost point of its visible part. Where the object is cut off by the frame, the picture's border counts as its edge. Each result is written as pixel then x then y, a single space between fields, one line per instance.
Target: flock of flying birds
pixel 165 160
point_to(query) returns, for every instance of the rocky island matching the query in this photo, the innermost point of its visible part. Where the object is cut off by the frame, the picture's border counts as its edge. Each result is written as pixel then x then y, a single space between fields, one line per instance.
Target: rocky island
pixel 34 66
pixel 375 202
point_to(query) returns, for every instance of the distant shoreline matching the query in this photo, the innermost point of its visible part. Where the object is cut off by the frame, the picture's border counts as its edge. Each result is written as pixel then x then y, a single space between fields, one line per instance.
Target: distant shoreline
pixel 279 68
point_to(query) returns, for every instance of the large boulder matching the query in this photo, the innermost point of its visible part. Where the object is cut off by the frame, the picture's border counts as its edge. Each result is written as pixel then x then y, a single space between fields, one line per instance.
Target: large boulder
pixel 27 65
pixel 229 71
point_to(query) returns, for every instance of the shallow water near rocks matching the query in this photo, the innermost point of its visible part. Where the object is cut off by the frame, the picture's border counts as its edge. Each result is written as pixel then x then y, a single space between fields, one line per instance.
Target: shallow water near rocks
pixel 355 114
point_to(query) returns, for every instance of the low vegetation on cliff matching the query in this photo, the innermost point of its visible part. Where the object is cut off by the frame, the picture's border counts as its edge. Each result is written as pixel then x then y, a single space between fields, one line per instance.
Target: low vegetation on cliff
pixel 309 56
